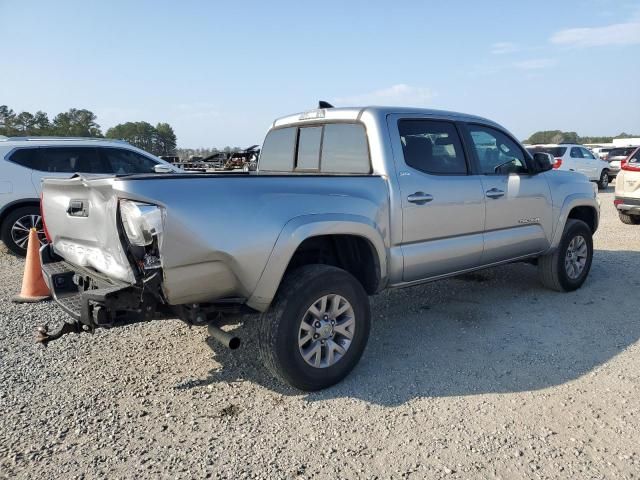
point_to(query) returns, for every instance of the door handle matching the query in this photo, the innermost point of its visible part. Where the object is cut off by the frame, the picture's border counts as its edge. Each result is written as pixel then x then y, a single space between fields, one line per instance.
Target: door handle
pixel 495 193
pixel 419 198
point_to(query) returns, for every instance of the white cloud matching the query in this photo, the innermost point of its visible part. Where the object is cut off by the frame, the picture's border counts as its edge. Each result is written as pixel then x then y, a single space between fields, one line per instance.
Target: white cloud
pixel 398 95
pixel 535 64
pixel 501 48
pixel 627 33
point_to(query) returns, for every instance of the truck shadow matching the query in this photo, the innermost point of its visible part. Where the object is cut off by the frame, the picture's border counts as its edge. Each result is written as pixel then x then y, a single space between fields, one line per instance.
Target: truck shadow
pixel 495 331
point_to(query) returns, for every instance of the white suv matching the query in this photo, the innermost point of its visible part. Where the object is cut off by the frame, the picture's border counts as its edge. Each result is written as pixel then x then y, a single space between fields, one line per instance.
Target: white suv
pixel 576 158
pixel 24 162
pixel 627 199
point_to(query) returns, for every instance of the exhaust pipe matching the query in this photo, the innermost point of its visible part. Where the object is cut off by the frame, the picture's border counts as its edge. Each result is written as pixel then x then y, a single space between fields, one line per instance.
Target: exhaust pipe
pixel 230 341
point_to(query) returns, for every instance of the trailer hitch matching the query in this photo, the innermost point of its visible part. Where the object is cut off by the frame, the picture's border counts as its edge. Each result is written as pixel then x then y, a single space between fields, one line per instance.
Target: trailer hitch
pixel 43 335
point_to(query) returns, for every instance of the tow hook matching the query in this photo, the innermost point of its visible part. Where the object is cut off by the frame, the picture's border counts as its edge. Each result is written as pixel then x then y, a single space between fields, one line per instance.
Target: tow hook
pixel 44 337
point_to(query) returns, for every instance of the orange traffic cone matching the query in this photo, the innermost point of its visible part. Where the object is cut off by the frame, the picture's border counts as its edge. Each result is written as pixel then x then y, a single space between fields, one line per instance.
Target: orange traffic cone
pixel 33 287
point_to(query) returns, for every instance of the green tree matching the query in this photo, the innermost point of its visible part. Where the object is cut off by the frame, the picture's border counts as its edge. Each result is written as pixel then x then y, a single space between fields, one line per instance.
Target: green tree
pixel 24 123
pixel 165 140
pixel 141 134
pixel 7 119
pixel 41 124
pixel 76 123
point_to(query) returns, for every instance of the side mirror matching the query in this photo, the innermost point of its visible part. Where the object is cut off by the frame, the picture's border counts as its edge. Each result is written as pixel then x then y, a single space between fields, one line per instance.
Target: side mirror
pixel 162 168
pixel 542 162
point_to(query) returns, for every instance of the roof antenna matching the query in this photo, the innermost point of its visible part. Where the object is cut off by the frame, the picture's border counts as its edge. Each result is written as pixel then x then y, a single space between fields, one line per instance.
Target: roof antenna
pixel 323 104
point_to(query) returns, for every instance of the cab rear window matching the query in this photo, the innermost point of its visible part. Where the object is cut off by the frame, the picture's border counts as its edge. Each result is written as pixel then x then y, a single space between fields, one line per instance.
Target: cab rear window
pixel 339 148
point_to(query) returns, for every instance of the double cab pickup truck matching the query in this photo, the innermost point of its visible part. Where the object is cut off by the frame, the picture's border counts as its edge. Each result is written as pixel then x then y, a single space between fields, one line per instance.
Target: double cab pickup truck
pixel 345 202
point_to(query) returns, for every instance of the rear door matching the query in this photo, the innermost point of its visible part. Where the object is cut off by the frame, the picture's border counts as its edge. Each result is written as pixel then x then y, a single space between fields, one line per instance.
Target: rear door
pixel 518 204
pixel 442 202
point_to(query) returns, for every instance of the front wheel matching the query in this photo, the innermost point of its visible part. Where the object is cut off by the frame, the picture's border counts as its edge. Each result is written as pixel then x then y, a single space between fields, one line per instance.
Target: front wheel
pixel 567 268
pixel 604 180
pixel 317 327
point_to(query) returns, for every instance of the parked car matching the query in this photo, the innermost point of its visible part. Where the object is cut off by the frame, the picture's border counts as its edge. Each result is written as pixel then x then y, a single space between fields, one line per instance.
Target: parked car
pixel 603 153
pixel 346 202
pixel 627 196
pixel 577 158
pixel 24 162
pixel 616 156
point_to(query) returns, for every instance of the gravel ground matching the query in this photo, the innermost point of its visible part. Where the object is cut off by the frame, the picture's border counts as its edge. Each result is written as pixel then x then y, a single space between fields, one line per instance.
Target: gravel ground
pixel 488 376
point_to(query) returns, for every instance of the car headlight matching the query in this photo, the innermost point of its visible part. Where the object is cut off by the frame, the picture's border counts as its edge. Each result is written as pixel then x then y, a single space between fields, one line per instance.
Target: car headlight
pixel 141 221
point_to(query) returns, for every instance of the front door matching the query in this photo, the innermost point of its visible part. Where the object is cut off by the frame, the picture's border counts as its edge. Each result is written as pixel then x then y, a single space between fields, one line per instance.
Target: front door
pixel 518 204
pixel 442 203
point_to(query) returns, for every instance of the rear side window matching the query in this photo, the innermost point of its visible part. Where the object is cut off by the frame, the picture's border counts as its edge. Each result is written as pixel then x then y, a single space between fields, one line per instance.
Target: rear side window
pixel 68 160
pixel 122 162
pixel 277 150
pixel 432 147
pixel 27 157
pixel 576 152
pixel 329 148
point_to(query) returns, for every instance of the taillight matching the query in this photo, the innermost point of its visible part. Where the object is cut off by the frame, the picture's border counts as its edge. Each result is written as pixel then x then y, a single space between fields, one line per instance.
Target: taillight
pixel 557 163
pixel 630 167
pixel 44 225
pixel 617 202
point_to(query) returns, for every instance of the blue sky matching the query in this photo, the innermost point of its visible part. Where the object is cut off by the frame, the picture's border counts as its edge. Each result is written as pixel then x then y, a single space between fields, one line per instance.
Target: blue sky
pixel 220 72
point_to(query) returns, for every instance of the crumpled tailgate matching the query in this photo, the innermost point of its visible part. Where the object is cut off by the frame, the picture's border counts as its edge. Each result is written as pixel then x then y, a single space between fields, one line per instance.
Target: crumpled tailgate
pixel 81 220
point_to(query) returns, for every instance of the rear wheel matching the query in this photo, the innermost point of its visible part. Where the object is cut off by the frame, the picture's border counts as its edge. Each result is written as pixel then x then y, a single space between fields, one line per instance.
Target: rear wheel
pixel 317 327
pixel 15 229
pixel 604 179
pixel 567 268
pixel 629 219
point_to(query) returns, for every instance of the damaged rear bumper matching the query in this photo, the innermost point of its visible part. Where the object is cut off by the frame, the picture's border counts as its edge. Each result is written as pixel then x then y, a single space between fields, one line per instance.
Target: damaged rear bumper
pixel 90 299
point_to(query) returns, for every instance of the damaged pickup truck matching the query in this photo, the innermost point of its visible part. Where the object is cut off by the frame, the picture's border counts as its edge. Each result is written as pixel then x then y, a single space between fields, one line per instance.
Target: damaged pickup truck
pixel 345 202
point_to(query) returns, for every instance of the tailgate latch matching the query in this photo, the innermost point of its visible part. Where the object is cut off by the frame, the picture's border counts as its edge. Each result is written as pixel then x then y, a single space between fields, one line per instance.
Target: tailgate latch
pixel 77 209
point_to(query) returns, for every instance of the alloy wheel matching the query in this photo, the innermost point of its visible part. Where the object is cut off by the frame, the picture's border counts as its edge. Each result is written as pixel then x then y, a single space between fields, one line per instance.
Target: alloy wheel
pixel 22 226
pixel 326 331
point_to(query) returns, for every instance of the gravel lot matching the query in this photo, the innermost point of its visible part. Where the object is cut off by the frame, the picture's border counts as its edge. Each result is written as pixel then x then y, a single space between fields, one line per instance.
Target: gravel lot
pixel 488 376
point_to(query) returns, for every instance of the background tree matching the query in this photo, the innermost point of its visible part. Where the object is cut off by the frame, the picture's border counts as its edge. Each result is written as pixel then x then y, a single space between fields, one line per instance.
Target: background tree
pixel 76 123
pixel 140 134
pixel 165 140
pixel 7 119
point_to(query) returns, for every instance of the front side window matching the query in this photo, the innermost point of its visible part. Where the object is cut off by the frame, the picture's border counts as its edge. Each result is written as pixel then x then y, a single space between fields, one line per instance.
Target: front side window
pixel 345 149
pixel 277 151
pixel 123 162
pixel 432 147
pixel 497 153
pixel 68 160
pixel 587 154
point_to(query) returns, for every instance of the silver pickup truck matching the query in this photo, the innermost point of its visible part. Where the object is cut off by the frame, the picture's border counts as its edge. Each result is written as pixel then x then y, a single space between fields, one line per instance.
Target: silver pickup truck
pixel 346 202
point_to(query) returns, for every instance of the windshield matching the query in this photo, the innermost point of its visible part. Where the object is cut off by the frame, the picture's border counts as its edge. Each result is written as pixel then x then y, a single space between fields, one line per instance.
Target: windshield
pixel 555 151
pixel 621 152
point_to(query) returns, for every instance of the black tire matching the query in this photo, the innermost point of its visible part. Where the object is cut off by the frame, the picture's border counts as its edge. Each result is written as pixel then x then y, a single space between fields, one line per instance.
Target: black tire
pixel 604 180
pixel 280 326
pixel 8 223
pixel 552 270
pixel 629 219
